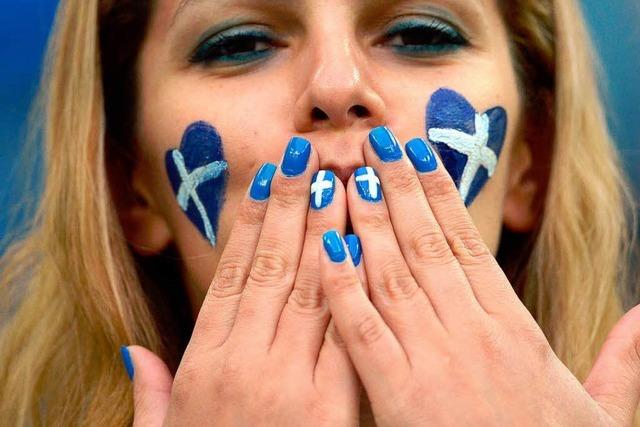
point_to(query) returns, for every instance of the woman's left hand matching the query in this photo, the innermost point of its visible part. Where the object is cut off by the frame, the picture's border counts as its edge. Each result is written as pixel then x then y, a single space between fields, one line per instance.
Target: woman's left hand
pixel 444 339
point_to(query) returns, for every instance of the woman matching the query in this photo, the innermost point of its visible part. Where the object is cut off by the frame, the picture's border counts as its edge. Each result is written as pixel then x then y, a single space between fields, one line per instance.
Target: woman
pixel 191 140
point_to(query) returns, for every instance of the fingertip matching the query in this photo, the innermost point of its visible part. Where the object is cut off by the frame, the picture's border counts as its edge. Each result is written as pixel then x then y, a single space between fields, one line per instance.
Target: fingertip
pixel 355 248
pixel 334 246
pixel 127 361
pixel 260 188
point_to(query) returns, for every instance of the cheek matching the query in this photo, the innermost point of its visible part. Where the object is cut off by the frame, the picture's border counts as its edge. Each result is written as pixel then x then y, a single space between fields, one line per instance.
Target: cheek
pixel 468 141
pixel 199 155
pixel 198 172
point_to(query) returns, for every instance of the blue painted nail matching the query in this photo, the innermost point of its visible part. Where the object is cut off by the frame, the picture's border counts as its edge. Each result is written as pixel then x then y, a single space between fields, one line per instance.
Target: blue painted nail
pixel 261 185
pixel 355 249
pixel 323 187
pixel 126 360
pixel 368 184
pixel 385 144
pixel 333 246
pixel 296 157
pixel 421 155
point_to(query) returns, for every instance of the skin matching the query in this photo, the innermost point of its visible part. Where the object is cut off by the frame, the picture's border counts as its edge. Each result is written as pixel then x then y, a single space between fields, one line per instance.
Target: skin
pixel 268 347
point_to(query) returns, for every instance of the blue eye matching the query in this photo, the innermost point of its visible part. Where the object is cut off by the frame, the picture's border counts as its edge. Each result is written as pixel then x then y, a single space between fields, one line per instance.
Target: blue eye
pixel 425 37
pixel 234 45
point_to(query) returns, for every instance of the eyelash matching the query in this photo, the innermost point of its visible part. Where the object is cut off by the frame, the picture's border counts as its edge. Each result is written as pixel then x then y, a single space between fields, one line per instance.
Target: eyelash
pixel 227 47
pixel 426 37
pixel 421 38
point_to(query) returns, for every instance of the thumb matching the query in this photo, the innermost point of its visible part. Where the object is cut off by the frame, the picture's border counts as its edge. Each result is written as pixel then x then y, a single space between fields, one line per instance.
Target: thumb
pixel 151 385
pixel 614 381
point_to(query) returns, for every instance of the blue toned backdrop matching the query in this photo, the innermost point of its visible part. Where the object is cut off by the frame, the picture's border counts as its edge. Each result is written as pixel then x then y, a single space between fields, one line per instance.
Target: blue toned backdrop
pixel 24 26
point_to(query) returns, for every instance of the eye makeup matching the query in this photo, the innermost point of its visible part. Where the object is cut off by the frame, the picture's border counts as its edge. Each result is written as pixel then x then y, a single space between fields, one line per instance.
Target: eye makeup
pixel 236 45
pixel 424 36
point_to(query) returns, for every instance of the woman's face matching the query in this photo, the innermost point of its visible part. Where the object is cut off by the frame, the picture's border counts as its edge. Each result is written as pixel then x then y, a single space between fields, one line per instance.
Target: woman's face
pixel 263 71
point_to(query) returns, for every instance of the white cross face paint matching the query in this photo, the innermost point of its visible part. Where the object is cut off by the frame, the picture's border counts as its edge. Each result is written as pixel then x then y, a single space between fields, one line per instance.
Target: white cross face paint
pixel 323 187
pixel 197 171
pixel 469 143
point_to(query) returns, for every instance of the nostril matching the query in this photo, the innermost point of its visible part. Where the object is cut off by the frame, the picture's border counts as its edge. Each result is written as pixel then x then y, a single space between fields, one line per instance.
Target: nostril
pixel 318 114
pixel 359 111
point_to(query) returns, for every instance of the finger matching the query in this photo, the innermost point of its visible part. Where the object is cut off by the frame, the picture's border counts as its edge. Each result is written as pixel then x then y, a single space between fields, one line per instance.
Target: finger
pixel 220 306
pixel 487 280
pixel 393 289
pixel 354 244
pixel 151 385
pixel 377 355
pixel 334 372
pixel 614 381
pixel 279 248
pixel 421 239
pixel 333 360
pixel 305 317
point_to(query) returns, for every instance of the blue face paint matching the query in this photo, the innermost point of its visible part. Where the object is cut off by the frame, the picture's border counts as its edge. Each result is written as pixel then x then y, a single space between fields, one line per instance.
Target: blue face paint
pixel 469 143
pixel 198 175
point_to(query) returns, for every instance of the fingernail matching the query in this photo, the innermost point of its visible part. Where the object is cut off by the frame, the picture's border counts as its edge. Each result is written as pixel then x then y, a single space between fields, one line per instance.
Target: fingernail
pixel 355 249
pixel 385 144
pixel 261 185
pixel 421 155
pixel 368 184
pixel 323 186
pixel 333 246
pixel 296 157
pixel 126 360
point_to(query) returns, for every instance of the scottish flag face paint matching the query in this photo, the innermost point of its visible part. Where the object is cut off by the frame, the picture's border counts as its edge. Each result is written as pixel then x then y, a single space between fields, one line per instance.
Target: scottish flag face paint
pixel 469 142
pixel 198 175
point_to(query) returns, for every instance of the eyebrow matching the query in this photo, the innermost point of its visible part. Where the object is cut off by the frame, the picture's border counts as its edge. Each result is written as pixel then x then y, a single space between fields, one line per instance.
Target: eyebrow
pixel 184 4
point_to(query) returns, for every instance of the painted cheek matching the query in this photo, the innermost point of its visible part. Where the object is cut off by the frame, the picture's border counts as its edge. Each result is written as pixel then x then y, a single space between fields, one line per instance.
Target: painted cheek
pixel 198 173
pixel 469 142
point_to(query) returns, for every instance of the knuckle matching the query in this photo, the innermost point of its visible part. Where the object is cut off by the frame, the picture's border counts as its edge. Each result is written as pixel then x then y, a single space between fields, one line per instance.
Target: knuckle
pixel 375 219
pixel 403 182
pixel 397 283
pixel 306 297
pixel 251 214
pixel 333 335
pixel 468 247
pixel 269 267
pixel 344 283
pixel 228 377
pixel 491 342
pixel 369 330
pixel 186 381
pixel 429 244
pixel 535 339
pixel 228 282
pixel 287 195
pixel 440 188
pixel 319 224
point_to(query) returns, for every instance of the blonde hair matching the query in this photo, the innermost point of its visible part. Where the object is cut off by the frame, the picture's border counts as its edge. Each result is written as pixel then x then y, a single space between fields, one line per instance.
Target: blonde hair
pixel 73 290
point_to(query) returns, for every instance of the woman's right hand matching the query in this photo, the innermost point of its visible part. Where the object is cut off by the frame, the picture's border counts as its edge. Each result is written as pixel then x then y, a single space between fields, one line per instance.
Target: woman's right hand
pixel 264 350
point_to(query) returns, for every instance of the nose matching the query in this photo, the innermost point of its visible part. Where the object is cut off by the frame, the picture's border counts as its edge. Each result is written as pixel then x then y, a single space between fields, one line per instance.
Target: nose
pixel 339 92
pixel 339 103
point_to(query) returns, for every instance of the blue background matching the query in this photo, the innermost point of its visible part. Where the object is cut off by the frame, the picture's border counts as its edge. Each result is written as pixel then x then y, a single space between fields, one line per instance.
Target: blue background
pixel 25 24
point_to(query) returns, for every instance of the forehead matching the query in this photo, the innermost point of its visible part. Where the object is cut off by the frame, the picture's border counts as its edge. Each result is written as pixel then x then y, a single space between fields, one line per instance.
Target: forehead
pixel 168 11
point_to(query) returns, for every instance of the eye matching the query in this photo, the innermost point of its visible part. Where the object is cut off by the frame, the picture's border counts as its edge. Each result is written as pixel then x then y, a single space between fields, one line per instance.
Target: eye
pixel 420 37
pixel 236 45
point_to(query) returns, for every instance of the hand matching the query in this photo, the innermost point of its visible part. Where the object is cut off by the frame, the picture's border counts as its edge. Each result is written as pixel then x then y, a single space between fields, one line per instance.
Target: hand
pixel 445 339
pixel 263 350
